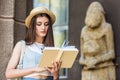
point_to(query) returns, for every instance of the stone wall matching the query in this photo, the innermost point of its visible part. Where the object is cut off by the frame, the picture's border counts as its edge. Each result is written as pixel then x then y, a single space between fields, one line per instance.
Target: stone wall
pixel 77 11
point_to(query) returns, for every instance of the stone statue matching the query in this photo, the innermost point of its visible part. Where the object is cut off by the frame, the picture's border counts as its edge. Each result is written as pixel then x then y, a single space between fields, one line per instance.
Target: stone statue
pixel 97 46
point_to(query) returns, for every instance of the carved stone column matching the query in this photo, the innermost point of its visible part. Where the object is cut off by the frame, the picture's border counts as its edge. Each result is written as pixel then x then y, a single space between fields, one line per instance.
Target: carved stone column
pixel 12 28
pixel 6 33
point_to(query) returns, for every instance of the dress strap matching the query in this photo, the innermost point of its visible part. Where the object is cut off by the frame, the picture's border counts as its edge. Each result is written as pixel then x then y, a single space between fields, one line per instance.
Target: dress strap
pixel 22 53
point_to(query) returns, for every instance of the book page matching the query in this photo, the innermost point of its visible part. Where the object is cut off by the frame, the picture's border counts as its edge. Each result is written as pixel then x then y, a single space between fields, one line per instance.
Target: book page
pixel 49 55
pixel 68 57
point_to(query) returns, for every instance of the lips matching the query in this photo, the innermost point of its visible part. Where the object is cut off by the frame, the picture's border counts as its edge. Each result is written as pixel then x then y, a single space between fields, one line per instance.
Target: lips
pixel 43 32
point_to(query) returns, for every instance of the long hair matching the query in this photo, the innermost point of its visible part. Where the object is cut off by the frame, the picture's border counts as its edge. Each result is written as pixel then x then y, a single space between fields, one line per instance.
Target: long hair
pixel 31 32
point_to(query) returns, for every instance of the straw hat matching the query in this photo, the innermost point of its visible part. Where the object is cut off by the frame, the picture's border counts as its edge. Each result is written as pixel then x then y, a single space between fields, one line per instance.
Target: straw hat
pixel 39 10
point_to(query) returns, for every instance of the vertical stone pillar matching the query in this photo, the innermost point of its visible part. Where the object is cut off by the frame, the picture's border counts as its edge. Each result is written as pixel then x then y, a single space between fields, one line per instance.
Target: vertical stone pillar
pixel 12 28
pixel 20 15
pixel 6 33
pixel 22 8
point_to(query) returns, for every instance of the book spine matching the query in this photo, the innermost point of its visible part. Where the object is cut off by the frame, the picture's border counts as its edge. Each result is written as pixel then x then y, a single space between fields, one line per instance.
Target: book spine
pixel 59 55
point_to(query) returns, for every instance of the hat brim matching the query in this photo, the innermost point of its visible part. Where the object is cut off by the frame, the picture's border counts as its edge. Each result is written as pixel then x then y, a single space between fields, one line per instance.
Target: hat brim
pixel 28 19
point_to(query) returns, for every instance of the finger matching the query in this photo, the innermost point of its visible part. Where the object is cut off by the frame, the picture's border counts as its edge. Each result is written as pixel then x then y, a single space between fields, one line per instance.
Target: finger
pixel 42 69
pixel 53 64
pixel 49 68
pixel 56 65
pixel 59 64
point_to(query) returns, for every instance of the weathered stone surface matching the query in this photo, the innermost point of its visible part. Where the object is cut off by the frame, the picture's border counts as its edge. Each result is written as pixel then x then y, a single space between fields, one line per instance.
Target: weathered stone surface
pixel 20 10
pixel 7 8
pixel 19 31
pixel 6 44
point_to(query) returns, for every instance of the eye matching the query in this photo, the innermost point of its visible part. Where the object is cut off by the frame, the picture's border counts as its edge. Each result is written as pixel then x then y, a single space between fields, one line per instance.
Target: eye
pixel 46 24
pixel 38 24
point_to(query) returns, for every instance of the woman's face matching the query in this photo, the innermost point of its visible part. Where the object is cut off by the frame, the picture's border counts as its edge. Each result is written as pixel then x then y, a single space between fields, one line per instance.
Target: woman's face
pixel 42 25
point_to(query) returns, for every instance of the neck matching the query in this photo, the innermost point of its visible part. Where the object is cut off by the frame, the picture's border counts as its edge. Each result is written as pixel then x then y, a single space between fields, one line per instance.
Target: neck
pixel 39 40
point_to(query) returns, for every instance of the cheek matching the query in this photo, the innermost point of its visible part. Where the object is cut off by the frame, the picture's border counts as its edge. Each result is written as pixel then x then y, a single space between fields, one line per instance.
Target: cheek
pixel 41 32
pixel 38 29
pixel 37 32
pixel 47 28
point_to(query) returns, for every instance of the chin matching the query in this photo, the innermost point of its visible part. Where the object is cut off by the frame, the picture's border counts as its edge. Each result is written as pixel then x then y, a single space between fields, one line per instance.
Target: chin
pixel 43 35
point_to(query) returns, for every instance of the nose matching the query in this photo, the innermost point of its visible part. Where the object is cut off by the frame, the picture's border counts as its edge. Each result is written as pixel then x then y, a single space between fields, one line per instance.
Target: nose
pixel 43 26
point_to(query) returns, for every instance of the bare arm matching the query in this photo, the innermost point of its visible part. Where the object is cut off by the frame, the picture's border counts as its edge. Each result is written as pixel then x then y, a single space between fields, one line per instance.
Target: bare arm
pixel 11 71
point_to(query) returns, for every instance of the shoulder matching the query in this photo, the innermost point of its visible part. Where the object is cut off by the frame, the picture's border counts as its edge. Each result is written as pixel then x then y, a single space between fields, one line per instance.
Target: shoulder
pixel 19 43
pixel 17 49
pixel 108 27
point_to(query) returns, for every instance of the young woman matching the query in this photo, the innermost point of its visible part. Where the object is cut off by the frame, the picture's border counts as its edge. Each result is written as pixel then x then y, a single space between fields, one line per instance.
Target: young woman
pixel 39 34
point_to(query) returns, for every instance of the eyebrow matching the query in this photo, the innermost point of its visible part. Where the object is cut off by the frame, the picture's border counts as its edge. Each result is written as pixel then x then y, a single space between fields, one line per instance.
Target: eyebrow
pixel 41 22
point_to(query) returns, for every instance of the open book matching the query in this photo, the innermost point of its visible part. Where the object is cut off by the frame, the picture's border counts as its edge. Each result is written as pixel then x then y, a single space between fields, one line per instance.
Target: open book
pixel 67 55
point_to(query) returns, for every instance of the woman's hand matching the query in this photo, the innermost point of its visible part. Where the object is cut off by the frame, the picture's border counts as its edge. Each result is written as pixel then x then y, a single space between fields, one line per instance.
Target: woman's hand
pixel 38 69
pixel 55 69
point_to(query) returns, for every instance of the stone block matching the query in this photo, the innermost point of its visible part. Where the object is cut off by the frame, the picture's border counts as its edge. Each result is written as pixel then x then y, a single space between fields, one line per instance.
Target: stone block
pixel 7 8
pixel 20 10
pixel 19 31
